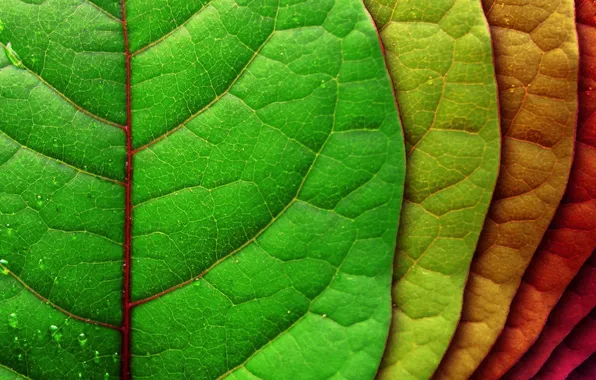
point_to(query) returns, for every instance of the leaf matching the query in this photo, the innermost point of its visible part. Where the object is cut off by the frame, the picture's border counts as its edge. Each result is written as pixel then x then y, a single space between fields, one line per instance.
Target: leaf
pixel 205 192
pixel 536 62
pixel 571 238
pixel 577 301
pixel 586 371
pixel 441 62
pixel 576 348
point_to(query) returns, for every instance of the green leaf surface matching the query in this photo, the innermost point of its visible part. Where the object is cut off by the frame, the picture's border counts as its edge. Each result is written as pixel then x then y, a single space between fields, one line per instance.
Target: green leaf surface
pixel 439 54
pixel 266 180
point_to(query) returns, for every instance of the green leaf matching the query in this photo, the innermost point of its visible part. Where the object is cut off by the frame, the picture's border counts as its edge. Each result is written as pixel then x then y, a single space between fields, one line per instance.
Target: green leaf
pixel 260 159
pixel 440 58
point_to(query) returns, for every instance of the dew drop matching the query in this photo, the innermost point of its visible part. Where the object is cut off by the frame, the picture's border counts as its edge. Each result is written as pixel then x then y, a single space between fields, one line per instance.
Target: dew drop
pixel 106 376
pixel 116 357
pixel 12 56
pixel 41 264
pixel 13 320
pixel 324 315
pixel 82 338
pixel 3 264
pixel 96 357
pixel 39 196
pixel 55 333
pixel 20 357
pixel 80 375
pixel 1 26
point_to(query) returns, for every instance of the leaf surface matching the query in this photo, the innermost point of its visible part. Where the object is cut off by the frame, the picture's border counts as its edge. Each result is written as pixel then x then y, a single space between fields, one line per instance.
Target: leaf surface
pixel 576 349
pixel 202 190
pixel 571 237
pixel 586 371
pixel 575 304
pixel 536 61
pixel 440 58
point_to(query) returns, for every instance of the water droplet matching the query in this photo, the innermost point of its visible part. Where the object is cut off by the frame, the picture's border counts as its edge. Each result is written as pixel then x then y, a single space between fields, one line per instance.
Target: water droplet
pixel 106 376
pixel 1 26
pixel 39 196
pixel 324 316
pixel 96 357
pixel 80 375
pixel 82 338
pixel 7 225
pixel 20 357
pixel 13 321
pixel 12 56
pixel 116 357
pixel 55 333
pixel 3 262
pixel 41 264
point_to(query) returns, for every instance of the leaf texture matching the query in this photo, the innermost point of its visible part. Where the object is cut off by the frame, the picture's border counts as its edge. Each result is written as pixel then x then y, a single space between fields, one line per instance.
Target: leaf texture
pixel 440 58
pixel 575 304
pixel 536 62
pixel 571 238
pixel 202 190
pixel 576 348
pixel 586 371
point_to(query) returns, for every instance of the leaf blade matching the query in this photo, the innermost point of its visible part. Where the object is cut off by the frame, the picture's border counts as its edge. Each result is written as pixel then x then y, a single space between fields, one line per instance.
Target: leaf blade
pixel 324 142
pixel 441 63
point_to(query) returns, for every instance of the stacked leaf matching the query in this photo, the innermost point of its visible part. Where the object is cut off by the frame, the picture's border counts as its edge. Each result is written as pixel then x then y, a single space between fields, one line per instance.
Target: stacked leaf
pixel 571 238
pixel 440 58
pixel 576 348
pixel 574 234
pixel 536 63
pixel 575 304
pixel 268 165
pixel 586 371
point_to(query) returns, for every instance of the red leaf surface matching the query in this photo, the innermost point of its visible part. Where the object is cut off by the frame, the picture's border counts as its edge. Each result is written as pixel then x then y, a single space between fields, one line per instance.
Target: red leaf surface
pixel 571 237
pixel 577 302
pixel 586 371
pixel 576 348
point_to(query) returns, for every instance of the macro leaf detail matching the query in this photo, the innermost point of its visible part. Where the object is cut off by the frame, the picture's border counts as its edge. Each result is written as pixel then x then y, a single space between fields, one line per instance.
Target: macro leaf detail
pixel 536 61
pixel 440 59
pixel 198 193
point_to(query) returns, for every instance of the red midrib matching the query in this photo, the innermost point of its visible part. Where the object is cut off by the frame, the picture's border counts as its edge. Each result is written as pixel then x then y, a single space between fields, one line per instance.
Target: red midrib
pixel 126 304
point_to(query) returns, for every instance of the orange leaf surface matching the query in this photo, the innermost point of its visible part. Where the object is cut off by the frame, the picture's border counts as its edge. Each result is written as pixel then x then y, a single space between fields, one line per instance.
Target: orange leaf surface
pixel 536 60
